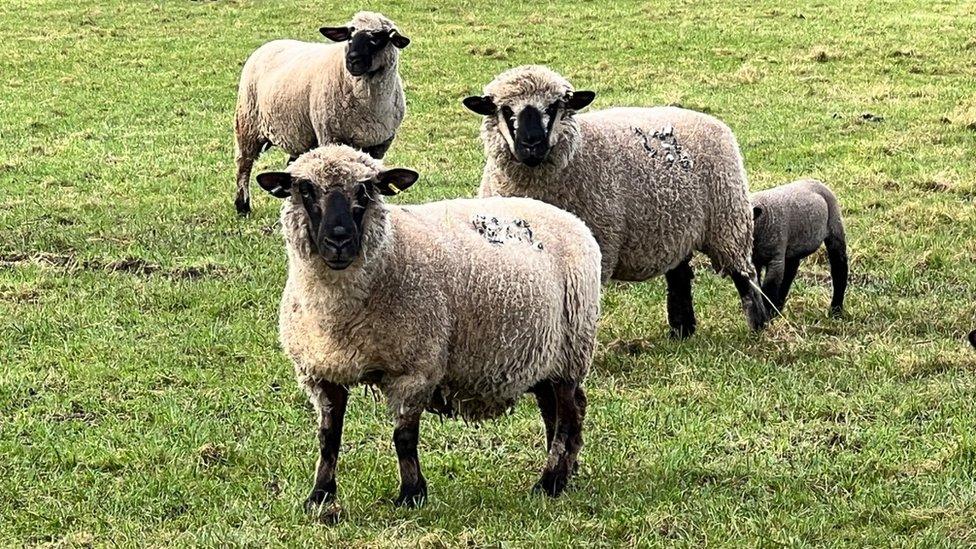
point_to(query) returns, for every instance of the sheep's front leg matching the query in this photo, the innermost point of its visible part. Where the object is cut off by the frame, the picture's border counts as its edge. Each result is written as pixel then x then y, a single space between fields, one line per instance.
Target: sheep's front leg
pixel 330 401
pixel 567 439
pixel 792 266
pixel 406 436
pixel 772 283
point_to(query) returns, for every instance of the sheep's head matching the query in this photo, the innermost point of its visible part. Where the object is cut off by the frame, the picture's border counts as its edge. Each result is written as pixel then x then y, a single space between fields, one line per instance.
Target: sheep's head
pixel 336 187
pixel 371 41
pixel 529 106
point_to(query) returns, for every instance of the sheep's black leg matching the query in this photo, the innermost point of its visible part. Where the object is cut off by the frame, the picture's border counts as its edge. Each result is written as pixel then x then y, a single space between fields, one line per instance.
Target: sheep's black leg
pixel 752 301
pixel 247 150
pixel 545 397
pixel 567 440
pixel 972 338
pixel 379 151
pixel 789 275
pixel 837 255
pixel 332 400
pixel 771 285
pixel 413 486
pixel 681 311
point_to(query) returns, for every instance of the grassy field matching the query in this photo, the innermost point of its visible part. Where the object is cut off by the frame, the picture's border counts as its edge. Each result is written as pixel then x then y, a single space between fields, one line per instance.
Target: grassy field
pixel 144 400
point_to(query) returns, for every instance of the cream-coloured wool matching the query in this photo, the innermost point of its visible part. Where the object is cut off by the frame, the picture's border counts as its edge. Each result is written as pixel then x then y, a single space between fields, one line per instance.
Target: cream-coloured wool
pixel 431 303
pixel 459 306
pixel 298 95
pixel 648 211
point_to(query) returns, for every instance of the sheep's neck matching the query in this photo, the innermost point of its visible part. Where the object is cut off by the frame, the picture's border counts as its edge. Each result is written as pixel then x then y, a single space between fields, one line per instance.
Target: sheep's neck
pixel 375 89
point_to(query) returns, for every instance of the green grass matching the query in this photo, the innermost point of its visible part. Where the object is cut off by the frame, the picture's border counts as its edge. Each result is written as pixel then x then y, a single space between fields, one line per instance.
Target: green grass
pixel 144 400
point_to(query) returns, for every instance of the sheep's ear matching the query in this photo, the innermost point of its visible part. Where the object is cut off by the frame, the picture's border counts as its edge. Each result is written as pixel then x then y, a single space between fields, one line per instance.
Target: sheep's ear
pixel 336 34
pixel 483 105
pixel 278 184
pixel 395 180
pixel 398 39
pixel 580 100
pixel 757 212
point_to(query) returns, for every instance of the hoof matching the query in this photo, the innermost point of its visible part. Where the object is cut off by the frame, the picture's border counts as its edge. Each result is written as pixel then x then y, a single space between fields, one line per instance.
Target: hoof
pixel 552 483
pixel 243 206
pixel 682 332
pixel 837 312
pixel 315 500
pixel 326 513
pixel 412 496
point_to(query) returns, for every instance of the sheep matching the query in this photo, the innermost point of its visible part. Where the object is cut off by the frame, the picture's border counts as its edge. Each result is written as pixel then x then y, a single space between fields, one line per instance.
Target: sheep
pixel 791 222
pixel 298 95
pixel 458 307
pixel 653 184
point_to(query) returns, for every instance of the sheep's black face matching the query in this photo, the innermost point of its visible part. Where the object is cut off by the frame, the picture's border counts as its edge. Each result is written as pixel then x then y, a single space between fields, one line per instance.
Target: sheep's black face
pixel 530 133
pixel 363 52
pixel 335 223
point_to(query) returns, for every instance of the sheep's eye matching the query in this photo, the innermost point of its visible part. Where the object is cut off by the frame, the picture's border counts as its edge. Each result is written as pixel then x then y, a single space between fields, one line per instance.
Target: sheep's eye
pixel 507 112
pixel 551 110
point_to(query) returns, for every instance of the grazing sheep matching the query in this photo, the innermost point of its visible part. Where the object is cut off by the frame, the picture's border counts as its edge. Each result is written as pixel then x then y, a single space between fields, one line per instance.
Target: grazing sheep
pixel 791 222
pixel 457 307
pixel 653 184
pixel 298 95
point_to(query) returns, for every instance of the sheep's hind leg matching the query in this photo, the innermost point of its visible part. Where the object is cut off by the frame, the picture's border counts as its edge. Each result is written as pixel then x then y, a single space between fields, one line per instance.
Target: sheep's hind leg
pixel 546 399
pixel 681 311
pixel 837 255
pixel 413 486
pixel 567 439
pixel 330 401
pixel 246 152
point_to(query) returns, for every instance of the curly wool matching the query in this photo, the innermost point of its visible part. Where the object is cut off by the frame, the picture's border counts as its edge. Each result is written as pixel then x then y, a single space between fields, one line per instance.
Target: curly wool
pixel 432 311
pixel 647 210
pixel 297 95
pixel 796 218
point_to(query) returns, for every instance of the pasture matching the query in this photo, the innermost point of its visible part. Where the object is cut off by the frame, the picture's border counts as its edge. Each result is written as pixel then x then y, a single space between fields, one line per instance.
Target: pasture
pixel 144 399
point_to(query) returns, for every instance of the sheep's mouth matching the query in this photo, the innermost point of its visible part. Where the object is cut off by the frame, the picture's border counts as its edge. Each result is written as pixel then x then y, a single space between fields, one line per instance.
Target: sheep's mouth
pixel 533 161
pixel 338 264
pixel 357 68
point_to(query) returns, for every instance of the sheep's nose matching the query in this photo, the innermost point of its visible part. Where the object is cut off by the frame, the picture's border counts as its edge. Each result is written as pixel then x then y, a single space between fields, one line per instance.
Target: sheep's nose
pixel 534 141
pixel 338 237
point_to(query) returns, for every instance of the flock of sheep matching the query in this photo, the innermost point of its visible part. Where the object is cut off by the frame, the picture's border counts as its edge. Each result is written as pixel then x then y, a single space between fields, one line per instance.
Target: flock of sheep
pixel 459 307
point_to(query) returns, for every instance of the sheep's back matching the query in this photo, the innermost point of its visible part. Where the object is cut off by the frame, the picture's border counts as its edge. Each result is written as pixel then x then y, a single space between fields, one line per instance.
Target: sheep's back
pixel 667 205
pixel 284 74
pixel 800 211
